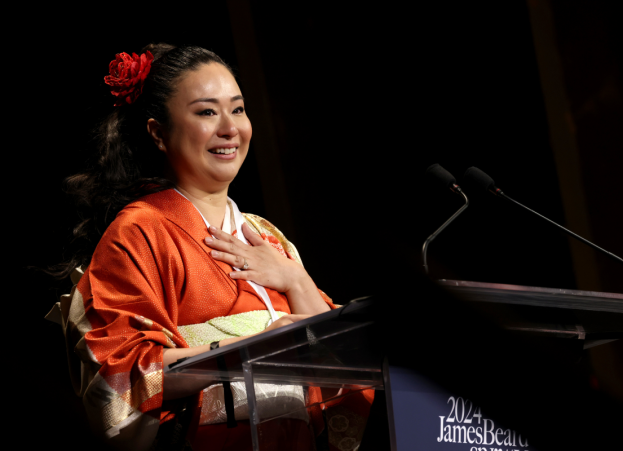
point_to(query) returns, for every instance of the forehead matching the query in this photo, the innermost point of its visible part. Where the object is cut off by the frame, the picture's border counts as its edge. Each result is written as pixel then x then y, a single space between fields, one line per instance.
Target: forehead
pixel 209 80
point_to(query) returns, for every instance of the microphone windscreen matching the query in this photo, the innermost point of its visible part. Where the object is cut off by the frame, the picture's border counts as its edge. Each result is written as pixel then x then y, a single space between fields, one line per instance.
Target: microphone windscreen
pixel 479 178
pixel 441 174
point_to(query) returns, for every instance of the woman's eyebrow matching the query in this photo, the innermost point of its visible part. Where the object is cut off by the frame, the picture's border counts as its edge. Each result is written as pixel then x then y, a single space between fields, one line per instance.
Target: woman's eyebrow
pixel 214 100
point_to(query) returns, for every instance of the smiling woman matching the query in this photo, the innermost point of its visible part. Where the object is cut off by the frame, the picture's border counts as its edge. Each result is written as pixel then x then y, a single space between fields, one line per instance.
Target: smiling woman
pixel 164 255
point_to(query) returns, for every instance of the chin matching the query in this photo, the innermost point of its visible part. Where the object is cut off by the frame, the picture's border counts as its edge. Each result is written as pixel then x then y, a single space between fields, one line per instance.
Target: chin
pixel 224 177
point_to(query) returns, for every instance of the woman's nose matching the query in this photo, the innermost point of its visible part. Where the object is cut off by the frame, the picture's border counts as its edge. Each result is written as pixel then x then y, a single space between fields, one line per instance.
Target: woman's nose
pixel 227 127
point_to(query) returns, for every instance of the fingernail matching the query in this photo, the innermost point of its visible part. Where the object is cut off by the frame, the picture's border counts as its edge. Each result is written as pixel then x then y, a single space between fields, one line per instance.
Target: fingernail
pixel 214 254
pixel 209 240
pixel 213 229
pixel 231 274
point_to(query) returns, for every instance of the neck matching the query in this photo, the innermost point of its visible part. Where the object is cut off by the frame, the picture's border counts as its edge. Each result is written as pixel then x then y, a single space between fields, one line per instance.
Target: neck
pixel 211 205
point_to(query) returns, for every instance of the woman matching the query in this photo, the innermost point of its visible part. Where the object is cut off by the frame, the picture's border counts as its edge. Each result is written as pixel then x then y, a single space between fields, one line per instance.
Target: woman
pixel 178 266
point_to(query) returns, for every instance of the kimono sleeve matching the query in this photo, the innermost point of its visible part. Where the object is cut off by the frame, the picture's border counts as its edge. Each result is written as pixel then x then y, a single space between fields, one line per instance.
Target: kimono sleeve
pixel 120 319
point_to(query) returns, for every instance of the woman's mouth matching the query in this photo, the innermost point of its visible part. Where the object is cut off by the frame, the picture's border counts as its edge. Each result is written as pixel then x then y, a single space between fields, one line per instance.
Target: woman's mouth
pixel 223 151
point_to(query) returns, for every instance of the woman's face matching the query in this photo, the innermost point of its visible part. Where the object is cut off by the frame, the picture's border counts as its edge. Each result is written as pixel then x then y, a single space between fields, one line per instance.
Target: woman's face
pixel 209 133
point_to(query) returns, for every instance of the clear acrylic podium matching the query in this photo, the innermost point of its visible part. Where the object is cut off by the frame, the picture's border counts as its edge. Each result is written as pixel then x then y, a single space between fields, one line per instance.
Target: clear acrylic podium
pixel 344 351
pixel 335 351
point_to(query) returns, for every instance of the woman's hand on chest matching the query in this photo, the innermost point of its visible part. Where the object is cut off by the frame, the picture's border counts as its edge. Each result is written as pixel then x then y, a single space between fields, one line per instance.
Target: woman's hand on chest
pixel 266 266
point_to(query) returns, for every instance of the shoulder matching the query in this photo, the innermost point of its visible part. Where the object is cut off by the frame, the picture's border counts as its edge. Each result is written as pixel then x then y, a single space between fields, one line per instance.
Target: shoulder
pixel 272 234
pixel 144 219
pixel 141 228
pixel 138 215
pixel 154 210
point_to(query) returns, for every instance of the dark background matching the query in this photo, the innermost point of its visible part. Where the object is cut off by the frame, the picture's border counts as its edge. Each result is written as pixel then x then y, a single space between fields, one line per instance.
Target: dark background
pixel 350 105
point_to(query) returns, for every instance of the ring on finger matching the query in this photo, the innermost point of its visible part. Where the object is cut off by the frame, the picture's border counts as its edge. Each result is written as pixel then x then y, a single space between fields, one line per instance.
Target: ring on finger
pixel 246 264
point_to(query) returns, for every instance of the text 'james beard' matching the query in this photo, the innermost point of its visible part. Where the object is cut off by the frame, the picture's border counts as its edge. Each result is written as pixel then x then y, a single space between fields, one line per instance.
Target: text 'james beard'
pixel 466 433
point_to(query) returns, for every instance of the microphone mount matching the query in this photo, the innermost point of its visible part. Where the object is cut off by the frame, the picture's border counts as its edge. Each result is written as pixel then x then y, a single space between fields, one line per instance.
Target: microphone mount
pixel 486 182
pixel 447 179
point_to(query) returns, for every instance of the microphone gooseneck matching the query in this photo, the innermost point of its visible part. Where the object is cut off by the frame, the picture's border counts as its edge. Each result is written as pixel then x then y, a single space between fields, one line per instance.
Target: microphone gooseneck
pixel 444 177
pixel 482 180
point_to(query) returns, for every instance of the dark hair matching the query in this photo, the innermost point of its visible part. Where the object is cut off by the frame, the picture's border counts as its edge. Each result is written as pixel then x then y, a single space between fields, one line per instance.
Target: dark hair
pixel 127 164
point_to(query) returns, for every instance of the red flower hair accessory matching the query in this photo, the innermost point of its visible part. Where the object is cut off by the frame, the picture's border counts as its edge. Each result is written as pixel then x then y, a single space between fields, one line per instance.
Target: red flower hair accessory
pixel 127 76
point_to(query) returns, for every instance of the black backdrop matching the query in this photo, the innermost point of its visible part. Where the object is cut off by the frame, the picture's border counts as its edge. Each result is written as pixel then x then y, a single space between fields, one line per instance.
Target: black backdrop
pixel 363 100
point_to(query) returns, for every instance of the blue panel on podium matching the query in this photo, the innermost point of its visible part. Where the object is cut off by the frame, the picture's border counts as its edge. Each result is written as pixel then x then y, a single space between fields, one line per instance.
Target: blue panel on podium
pixel 428 418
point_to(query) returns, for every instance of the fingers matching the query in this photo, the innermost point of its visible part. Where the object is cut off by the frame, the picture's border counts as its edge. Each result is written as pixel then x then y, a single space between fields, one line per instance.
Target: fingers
pixel 283 321
pixel 288 319
pixel 252 237
pixel 223 236
pixel 231 260
pixel 252 276
pixel 298 317
pixel 224 242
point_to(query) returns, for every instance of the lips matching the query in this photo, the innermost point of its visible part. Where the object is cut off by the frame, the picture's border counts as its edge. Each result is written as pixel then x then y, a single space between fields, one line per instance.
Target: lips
pixel 223 150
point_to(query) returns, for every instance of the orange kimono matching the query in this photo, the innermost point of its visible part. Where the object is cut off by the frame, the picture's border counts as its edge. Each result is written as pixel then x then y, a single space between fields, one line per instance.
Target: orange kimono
pixel 150 274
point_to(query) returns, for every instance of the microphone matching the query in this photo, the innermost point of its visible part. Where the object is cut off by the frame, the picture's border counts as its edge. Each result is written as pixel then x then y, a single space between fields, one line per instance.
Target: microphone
pixel 445 178
pixel 481 179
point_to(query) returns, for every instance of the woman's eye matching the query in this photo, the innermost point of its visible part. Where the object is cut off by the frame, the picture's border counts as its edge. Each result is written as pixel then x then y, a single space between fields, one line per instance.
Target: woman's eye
pixel 239 110
pixel 208 112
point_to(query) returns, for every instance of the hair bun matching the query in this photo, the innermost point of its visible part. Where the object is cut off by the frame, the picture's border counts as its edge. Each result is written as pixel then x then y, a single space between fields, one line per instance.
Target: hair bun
pixel 158 49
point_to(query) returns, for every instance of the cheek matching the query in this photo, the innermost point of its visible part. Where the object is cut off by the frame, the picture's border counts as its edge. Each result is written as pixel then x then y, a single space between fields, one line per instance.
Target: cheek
pixel 201 132
pixel 193 133
pixel 245 131
pixel 181 133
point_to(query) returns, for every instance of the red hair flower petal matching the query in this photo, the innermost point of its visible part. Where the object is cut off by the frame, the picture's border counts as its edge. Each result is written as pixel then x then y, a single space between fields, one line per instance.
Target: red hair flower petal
pixel 127 76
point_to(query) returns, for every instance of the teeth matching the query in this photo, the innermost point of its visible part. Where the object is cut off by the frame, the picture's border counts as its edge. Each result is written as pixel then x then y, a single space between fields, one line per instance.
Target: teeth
pixel 225 151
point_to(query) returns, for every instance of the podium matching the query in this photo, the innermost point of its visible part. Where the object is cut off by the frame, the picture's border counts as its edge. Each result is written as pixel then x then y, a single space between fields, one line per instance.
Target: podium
pixel 371 344
pixel 335 350
pixel 591 317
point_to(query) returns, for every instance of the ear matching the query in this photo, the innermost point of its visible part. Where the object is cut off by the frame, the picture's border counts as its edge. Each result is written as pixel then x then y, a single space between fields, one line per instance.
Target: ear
pixel 156 132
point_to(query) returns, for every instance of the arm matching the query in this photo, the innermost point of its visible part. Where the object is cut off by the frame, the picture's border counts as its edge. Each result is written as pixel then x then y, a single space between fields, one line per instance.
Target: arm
pixel 119 325
pixel 304 297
